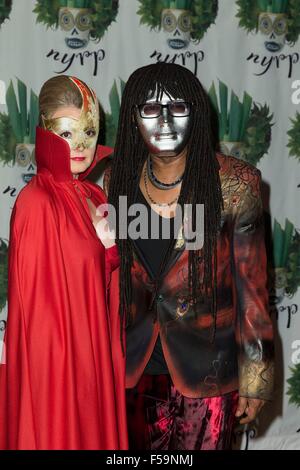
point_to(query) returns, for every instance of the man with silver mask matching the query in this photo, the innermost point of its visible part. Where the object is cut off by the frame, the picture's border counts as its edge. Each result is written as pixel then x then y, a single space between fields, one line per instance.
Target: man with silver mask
pixel 199 341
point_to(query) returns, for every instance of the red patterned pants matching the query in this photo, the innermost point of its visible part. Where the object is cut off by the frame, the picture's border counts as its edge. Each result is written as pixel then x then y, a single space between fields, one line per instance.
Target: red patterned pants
pixel 161 418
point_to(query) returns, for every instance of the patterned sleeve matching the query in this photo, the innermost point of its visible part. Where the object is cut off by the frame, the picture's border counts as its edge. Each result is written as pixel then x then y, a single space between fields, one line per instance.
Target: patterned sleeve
pixel 254 330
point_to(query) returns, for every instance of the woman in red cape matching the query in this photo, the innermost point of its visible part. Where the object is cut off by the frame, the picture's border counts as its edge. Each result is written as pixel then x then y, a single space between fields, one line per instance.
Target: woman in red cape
pixel 62 382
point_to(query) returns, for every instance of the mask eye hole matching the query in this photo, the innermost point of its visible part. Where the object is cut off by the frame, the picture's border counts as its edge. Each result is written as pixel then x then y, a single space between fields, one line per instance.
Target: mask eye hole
pixel 66 20
pixel 184 22
pixel 280 26
pixel 169 22
pixel 66 135
pixel 150 110
pixel 90 132
pixel 23 156
pixel 83 21
pixel 265 25
pixel 179 108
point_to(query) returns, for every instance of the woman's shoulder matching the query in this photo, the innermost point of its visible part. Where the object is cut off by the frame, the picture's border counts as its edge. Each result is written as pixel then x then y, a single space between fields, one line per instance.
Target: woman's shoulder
pixel 32 199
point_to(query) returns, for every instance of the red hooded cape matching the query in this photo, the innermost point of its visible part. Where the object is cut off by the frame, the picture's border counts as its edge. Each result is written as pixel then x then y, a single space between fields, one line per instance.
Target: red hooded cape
pixel 62 386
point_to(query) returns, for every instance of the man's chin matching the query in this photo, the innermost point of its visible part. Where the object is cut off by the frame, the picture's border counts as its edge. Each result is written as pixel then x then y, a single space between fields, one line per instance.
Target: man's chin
pixel 168 152
pixel 165 153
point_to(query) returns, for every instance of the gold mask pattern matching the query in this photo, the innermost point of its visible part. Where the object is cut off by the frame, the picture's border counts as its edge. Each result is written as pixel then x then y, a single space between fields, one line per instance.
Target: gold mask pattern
pixel 83 132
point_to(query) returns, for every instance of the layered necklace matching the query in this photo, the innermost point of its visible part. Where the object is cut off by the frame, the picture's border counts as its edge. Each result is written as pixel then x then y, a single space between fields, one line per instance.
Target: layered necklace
pixel 171 185
pixel 155 181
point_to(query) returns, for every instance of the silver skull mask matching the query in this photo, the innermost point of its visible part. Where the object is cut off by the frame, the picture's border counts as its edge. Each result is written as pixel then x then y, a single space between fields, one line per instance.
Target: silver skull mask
pixel 165 135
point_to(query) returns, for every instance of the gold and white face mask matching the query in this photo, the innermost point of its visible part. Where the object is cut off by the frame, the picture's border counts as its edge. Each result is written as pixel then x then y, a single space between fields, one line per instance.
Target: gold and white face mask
pixel 75 25
pixel 176 25
pixel 80 133
pixel 273 28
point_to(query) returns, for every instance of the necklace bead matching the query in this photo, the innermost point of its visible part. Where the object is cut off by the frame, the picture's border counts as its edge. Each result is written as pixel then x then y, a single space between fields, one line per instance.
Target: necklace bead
pixel 156 182
pixel 165 204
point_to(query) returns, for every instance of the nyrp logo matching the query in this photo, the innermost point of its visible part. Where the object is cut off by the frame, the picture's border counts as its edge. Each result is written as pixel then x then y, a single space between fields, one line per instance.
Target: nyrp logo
pixel 180 22
pixel 5 9
pixel 78 22
pixel 17 130
pixel 244 126
pixel 277 24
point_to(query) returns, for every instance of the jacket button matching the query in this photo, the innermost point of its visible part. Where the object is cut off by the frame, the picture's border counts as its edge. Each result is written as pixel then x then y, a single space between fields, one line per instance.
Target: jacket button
pixel 160 298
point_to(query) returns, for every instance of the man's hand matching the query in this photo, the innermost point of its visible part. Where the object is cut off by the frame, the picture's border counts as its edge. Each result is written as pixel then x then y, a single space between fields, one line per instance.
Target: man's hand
pixel 249 406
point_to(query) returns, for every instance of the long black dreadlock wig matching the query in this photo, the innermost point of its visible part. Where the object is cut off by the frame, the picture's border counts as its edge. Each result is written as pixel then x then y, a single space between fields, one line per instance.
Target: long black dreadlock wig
pixel 200 185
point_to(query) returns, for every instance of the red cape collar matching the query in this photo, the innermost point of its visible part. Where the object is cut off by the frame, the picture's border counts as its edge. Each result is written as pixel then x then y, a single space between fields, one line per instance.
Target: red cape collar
pixel 52 153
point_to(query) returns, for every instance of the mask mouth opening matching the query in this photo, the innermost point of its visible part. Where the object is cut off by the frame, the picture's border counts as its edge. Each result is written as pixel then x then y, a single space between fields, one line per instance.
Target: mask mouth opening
pixel 75 43
pixel 26 177
pixel 177 43
pixel 273 46
pixel 162 136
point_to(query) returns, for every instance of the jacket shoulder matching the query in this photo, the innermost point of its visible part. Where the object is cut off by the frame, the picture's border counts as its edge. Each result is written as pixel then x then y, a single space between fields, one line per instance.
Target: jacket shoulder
pixel 237 176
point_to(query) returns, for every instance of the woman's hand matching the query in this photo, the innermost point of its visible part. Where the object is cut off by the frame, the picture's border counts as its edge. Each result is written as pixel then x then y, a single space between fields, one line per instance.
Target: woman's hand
pixel 105 234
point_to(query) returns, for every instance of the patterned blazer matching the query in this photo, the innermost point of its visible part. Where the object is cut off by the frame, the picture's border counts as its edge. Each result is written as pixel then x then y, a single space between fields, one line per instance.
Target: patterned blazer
pixel 241 356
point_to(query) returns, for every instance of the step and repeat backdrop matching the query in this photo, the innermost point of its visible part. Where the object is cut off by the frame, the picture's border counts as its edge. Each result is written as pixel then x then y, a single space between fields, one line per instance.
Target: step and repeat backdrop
pixel 246 53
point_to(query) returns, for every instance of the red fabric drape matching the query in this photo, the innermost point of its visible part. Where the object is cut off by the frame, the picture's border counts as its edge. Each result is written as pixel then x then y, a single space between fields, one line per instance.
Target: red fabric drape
pixel 62 386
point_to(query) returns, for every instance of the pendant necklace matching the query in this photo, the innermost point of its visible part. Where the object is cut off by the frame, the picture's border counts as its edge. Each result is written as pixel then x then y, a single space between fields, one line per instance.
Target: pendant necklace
pixel 164 204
